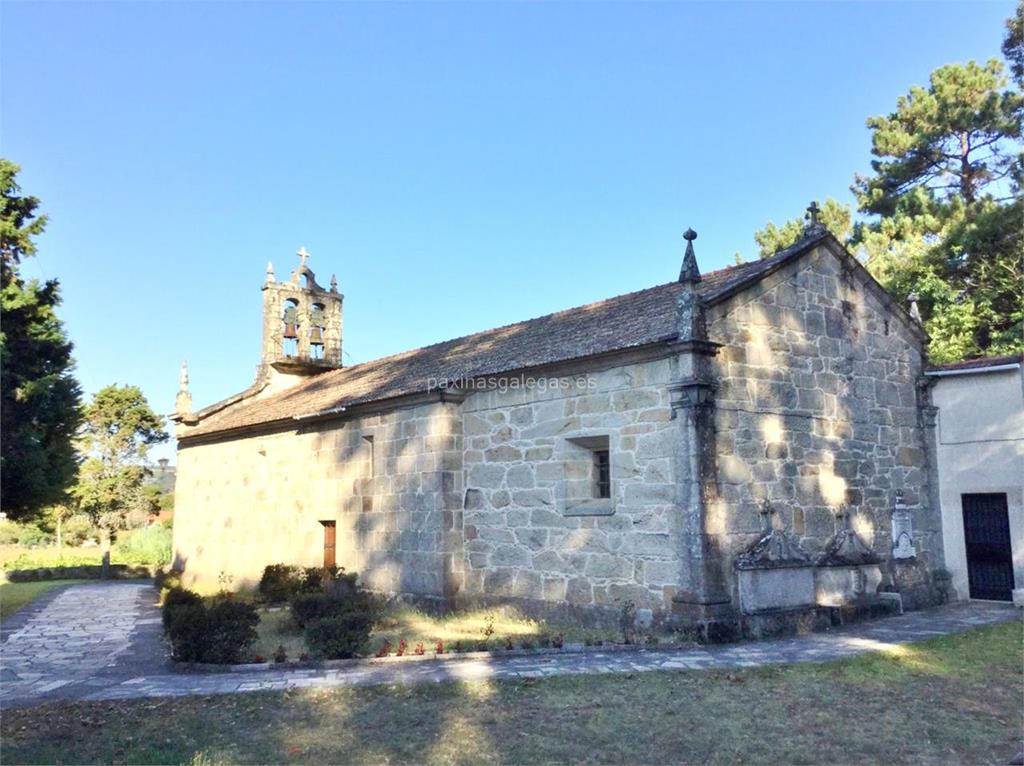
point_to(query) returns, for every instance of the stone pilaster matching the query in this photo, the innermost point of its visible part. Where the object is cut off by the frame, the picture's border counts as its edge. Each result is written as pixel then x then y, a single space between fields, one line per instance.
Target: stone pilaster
pixel 702 600
pixel 452 487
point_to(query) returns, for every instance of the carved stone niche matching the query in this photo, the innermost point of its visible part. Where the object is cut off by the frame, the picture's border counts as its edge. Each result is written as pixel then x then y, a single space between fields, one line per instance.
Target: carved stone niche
pixel 848 571
pixel 775 573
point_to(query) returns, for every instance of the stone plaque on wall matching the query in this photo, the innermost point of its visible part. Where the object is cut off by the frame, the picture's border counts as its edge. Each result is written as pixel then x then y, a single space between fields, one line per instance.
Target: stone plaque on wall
pixel 902 531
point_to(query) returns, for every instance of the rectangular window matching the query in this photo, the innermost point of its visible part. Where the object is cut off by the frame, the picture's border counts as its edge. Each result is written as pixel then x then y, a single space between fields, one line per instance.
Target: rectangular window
pixel 368 448
pixel 603 473
pixel 586 488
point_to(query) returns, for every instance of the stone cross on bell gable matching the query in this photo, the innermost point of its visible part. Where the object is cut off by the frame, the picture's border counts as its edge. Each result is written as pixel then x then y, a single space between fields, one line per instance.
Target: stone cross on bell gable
pixel 303 255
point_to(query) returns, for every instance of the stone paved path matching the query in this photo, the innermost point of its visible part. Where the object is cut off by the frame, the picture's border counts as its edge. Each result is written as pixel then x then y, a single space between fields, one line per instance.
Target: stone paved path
pixel 80 639
pixel 101 642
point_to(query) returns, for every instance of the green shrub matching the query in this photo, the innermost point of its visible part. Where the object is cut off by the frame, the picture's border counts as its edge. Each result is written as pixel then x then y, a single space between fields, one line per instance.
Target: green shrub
pixel 9 532
pixel 77 529
pixel 167 578
pixel 31 536
pixel 314 578
pixel 219 632
pixel 177 597
pixel 28 561
pixel 232 626
pixel 339 637
pixel 187 630
pixel 150 545
pixel 308 607
pixel 279 582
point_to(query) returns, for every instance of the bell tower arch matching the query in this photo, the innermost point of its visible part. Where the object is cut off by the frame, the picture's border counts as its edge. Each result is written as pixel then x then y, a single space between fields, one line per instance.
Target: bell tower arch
pixel 302 324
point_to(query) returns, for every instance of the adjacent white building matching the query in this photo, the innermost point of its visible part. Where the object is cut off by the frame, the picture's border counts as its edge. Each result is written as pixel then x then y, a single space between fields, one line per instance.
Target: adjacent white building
pixel 981 474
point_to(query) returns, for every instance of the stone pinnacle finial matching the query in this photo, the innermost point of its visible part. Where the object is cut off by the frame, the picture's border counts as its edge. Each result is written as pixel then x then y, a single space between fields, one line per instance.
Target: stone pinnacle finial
pixel 689 272
pixel 270 272
pixel 334 283
pixel 183 401
pixel 915 312
pixel 303 256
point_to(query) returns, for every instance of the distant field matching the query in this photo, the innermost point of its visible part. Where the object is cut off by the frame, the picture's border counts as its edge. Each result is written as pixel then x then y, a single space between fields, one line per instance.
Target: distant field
pixel 48 556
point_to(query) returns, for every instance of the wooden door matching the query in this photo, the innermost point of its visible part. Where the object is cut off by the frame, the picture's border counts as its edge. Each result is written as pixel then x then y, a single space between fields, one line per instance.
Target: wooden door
pixel 987 539
pixel 329 532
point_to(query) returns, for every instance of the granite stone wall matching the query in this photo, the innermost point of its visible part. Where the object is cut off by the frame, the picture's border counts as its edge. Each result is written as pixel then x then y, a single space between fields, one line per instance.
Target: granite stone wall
pixel 531 535
pixel 247 502
pixel 817 405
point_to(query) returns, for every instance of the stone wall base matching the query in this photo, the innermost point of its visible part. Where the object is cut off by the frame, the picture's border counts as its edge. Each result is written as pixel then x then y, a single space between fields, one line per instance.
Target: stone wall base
pixel 710 622
pixel 789 622
pixel 919 586
pixel 606 617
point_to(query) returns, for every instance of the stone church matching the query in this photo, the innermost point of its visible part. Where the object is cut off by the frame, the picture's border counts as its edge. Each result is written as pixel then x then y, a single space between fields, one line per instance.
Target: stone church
pixel 739 451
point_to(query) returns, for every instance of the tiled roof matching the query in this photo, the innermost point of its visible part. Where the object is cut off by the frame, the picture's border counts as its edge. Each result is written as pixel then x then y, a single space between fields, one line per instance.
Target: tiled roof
pixel 979 363
pixel 619 323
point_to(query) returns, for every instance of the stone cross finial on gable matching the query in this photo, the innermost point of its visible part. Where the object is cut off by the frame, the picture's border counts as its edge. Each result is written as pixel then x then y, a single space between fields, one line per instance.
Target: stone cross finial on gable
pixel 689 272
pixel 303 255
pixel 812 213
pixel 183 376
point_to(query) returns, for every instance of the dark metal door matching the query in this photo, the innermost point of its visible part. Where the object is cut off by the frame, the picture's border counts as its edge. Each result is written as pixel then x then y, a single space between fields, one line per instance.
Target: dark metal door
pixel 329 531
pixel 987 538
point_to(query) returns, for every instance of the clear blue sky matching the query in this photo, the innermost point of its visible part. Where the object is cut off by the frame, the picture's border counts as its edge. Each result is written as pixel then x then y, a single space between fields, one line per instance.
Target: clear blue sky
pixel 459 166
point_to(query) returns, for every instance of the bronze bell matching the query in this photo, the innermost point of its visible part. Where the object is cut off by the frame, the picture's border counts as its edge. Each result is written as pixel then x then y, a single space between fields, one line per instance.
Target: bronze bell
pixel 290 330
pixel 316 335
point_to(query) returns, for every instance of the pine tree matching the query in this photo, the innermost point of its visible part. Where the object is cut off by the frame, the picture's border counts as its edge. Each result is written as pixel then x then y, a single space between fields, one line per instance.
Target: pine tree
pixel 943 212
pixel 39 396
pixel 118 429
pixel 947 208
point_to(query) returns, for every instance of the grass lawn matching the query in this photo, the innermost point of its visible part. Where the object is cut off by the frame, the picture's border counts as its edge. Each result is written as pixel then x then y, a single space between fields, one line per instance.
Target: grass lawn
pixel 14 595
pixel 468 628
pixel 954 699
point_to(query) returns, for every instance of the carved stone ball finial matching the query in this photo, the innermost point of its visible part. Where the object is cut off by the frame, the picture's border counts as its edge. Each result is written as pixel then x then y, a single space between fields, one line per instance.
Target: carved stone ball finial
pixel 915 311
pixel 334 283
pixel 689 272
